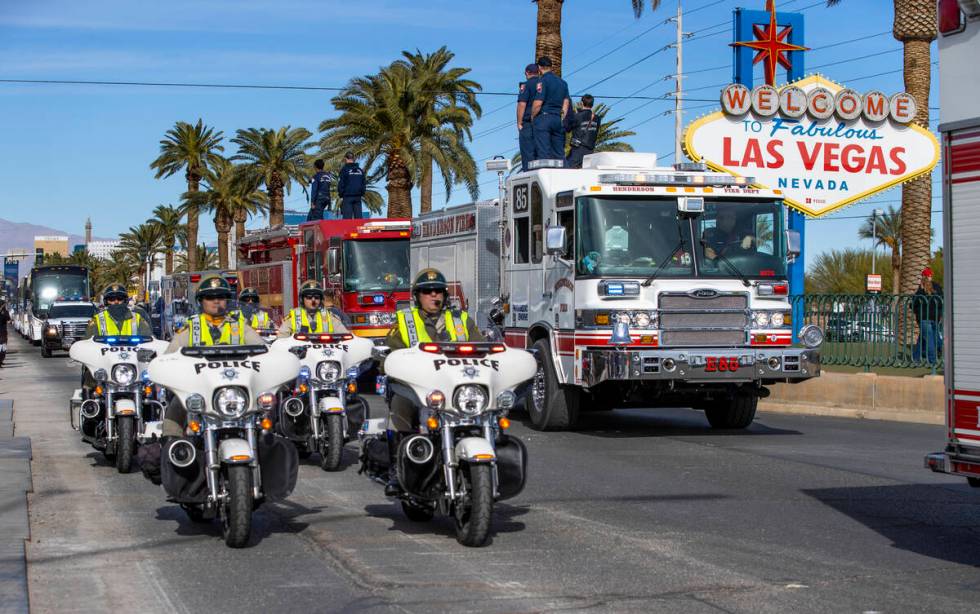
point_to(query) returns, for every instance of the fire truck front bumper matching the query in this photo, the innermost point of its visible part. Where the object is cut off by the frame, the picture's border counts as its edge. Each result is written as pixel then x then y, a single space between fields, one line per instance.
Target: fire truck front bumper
pixel 698 365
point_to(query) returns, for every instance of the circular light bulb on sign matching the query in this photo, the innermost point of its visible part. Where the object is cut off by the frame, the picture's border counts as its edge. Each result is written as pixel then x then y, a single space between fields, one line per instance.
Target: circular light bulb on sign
pixel 876 106
pixel 792 101
pixel 849 104
pixel 820 103
pixel 902 107
pixel 736 99
pixel 765 101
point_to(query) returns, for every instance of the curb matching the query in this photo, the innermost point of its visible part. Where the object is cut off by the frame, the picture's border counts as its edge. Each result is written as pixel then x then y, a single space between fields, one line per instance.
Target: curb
pixel 15 482
pixel 894 415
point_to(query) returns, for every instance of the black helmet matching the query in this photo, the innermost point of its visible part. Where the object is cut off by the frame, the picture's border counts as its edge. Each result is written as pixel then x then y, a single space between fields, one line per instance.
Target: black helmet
pixel 214 286
pixel 311 288
pixel 249 294
pixel 430 279
pixel 117 291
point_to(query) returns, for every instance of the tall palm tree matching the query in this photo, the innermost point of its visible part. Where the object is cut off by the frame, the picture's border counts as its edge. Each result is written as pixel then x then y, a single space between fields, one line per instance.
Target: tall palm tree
pixel 842 272
pixel 227 197
pixel 608 138
pixel 205 260
pixel 275 159
pixel 915 27
pixel 168 218
pixel 446 106
pixel 142 244
pixel 377 122
pixel 887 231
pixel 548 41
pixel 192 149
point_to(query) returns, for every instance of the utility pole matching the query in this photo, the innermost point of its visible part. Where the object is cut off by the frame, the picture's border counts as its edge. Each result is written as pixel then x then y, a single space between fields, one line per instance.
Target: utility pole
pixel 678 87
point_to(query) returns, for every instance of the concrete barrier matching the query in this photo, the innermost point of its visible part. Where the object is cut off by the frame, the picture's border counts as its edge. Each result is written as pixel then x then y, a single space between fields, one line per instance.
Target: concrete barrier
pixel 862 395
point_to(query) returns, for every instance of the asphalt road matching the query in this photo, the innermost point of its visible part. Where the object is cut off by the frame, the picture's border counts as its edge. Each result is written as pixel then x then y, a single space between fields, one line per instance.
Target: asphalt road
pixel 637 511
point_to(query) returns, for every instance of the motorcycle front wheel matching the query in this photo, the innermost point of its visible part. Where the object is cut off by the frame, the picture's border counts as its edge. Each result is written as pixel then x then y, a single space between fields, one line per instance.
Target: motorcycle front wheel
pixel 236 513
pixel 333 434
pixel 474 512
pixel 125 443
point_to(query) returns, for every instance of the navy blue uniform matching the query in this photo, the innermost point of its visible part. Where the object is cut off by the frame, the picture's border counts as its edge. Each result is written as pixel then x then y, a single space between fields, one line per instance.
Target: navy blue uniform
pixel 549 138
pixel 526 134
pixel 319 195
pixel 584 126
pixel 351 187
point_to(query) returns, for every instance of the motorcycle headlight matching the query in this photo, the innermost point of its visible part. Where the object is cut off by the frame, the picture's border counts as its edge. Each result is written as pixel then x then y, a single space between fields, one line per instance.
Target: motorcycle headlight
pixel 231 402
pixel 506 399
pixel 124 375
pixel 100 375
pixel 328 371
pixel 470 399
pixel 195 403
pixel 811 335
pixel 761 318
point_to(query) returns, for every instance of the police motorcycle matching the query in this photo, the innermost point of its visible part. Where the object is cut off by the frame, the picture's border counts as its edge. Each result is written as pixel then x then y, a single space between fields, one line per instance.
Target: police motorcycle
pixel 248 306
pixel 461 461
pixel 229 461
pixel 320 410
pixel 124 409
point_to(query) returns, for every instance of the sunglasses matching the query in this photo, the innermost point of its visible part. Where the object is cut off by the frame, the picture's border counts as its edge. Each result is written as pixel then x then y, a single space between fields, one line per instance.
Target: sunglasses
pixel 114 301
pixel 249 300
pixel 431 291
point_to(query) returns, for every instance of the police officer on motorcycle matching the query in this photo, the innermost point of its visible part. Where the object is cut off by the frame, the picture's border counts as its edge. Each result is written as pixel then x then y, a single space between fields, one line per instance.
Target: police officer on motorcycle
pixel 430 319
pixel 311 317
pixel 213 325
pixel 116 318
pixel 248 306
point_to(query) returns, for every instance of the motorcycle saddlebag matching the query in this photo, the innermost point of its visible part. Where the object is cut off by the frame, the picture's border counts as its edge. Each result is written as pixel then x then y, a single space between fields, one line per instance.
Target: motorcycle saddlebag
pixel 511 466
pixel 356 414
pixel 279 462
pixel 184 484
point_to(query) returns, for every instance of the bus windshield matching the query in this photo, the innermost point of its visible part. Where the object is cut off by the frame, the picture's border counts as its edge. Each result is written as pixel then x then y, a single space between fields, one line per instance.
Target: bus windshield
pixel 51 286
pixel 376 265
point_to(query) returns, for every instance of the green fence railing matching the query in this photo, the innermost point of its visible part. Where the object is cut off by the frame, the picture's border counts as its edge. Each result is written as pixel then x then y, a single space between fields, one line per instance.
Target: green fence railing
pixel 864 330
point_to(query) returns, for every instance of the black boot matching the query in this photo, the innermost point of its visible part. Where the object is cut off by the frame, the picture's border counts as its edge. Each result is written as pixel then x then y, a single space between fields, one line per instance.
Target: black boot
pixel 393 488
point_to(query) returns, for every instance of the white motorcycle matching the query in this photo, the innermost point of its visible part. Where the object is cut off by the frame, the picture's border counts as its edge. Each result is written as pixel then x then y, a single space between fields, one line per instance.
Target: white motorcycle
pixel 229 461
pixel 319 412
pixel 460 462
pixel 123 408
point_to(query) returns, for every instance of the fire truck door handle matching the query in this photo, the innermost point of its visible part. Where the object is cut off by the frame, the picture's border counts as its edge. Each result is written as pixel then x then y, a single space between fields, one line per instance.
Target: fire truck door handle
pixel 547 295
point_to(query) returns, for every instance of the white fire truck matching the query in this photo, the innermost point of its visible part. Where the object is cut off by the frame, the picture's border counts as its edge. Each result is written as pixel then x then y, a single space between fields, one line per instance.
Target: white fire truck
pixel 646 285
pixel 959 88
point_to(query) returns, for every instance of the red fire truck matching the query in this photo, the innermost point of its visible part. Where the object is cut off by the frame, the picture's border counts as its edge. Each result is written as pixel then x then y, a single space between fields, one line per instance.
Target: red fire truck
pixel 364 264
pixel 268 261
pixel 959 48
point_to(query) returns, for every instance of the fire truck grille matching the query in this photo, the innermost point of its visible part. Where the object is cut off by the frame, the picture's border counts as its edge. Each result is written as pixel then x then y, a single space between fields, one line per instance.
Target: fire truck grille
pixel 692 321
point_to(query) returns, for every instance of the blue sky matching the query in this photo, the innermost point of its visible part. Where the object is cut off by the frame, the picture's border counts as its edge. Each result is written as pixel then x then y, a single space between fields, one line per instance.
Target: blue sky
pixel 74 151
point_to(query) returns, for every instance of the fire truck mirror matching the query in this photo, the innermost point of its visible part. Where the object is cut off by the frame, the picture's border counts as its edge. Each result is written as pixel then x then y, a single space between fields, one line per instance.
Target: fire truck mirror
pixel 333 261
pixel 792 245
pixel 555 240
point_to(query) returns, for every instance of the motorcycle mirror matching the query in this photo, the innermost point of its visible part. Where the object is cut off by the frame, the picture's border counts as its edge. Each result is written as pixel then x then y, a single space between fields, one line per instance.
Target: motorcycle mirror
pixel 379 352
pixel 299 351
pixel 145 355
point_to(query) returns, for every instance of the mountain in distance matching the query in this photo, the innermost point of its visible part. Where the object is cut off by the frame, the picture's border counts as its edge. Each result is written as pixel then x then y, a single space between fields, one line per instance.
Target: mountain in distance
pixel 20 236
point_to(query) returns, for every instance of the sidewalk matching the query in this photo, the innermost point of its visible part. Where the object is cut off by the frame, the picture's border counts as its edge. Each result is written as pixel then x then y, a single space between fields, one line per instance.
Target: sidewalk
pixel 15 483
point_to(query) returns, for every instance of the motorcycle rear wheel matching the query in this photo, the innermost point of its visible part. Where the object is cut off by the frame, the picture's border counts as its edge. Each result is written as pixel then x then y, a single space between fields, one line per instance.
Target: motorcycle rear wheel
pixel 473 514
pixel 125 443
pixel 236 513
pixel 333 433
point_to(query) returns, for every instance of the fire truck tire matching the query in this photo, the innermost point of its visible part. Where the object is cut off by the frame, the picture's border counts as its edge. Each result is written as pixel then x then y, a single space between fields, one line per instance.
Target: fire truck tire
pixel 735 414
pixel 551 406
pixel 974 482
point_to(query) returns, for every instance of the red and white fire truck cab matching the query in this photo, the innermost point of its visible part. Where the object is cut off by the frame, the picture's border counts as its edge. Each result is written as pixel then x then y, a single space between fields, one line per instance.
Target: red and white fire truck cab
pixel 363 264
pixel 656 286
pixel 959 89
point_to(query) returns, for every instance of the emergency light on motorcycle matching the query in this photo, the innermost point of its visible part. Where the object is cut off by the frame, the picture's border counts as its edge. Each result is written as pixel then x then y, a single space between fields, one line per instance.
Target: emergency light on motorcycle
pixel 304 373
pixel 323 337
pixel 463 349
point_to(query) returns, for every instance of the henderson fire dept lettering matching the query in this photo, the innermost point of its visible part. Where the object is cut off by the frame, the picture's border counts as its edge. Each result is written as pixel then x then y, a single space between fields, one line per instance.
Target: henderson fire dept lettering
pixel 823 145
pixel 449 225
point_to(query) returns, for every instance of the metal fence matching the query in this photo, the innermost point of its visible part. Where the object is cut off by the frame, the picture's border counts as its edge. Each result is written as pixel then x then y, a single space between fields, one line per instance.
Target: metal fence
pixel 898 331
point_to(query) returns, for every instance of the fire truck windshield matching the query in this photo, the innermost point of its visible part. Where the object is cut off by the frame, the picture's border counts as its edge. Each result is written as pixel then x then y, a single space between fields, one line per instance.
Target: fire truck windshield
pixel 376 265
pixel 639 237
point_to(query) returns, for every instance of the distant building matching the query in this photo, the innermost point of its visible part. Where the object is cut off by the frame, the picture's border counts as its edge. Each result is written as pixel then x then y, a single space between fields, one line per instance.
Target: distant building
pixel 88 230
pixel 51 244
pixel 102 250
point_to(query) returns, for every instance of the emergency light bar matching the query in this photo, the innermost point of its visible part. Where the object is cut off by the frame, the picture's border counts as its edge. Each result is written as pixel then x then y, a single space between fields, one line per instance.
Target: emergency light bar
pixel 122 339
pixel 611 287
pixel 665 179
pixel 536 164
pixel 463 349
pixel 384 227
pixel 323 337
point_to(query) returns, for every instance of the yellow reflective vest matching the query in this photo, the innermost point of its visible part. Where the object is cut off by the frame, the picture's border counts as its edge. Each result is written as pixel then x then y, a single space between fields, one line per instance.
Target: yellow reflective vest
pixel 412 328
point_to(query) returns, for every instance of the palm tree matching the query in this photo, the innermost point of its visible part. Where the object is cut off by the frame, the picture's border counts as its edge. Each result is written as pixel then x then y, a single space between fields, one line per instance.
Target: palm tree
pixel 275 159
pixel 607 138
pixel 446 105
pixel 142 244
pixel 168 217
pixel 843 272
pixel 226 196
pixel 914 25
pixel 888 232
pixel 206 260
pixel 193 149
pixel 377 121
pixel 548 41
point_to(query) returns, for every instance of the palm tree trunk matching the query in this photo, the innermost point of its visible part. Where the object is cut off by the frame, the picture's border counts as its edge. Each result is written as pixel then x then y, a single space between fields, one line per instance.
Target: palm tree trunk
pixel 399 188
pixel 548 41
pixel 896 269
pixel 193 183
pixel 916 194
pixel 223 250
pixel 277 205
pixel 425 185
pixel 169 257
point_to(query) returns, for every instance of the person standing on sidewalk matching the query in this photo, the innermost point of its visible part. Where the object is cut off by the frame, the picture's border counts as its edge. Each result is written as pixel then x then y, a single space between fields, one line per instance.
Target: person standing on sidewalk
pixel 319 193
pixel 927 305
pixel 350 188
pixel 4 318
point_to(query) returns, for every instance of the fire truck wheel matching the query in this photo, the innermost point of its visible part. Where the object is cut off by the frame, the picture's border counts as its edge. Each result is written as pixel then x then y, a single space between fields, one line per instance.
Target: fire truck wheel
pixel 735 414
pixel 551 406
pixel 974 482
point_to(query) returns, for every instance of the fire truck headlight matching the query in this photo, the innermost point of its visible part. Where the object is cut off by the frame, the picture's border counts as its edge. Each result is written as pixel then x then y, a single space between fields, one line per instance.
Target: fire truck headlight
pixel 761 318
pixel 776 319
pixel 641 319
pixel 622 316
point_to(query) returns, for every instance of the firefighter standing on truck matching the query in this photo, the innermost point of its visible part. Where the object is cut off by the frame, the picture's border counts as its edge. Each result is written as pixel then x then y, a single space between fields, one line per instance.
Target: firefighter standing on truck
pixel 430 319
pixel 584 126
pixel 525 129
pixel 548 111
pixel 311 317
